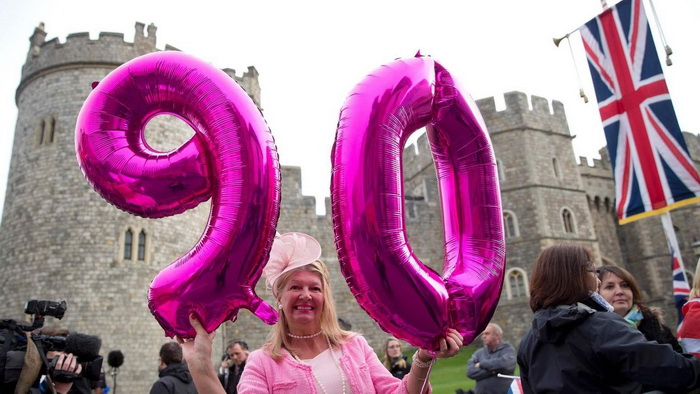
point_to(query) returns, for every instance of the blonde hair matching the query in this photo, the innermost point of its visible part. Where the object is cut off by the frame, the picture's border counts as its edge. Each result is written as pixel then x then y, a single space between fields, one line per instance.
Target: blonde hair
pixel 695 291
pixel 278 337
pixel 387 360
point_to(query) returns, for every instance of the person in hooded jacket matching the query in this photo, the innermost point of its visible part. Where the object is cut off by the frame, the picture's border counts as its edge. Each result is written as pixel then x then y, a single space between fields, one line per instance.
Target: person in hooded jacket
pixel 577 344
pixel 174 376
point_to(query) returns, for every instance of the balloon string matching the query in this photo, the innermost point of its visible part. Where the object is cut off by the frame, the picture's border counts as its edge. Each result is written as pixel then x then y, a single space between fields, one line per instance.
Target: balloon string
pixel 427 377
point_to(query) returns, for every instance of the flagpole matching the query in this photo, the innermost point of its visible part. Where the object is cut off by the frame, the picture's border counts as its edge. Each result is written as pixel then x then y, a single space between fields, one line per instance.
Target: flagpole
pixel 681 289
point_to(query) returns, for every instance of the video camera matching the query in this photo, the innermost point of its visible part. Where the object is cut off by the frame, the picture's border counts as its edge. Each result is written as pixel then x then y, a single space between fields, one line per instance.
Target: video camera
pixel 18 339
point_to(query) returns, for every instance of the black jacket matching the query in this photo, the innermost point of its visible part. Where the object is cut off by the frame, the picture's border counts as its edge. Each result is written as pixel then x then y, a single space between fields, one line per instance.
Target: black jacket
pixel 397 371
pixel 654 330
pixel 581 349
pixel 174 379
pixel 230 382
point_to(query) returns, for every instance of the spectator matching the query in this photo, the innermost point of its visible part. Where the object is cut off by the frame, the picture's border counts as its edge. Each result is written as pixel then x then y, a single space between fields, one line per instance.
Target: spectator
pixel 394 360
pixel 619 288
pixel 575 345
pixel 495 357
pixel 233 364
pixel 174 376
pixel 689 331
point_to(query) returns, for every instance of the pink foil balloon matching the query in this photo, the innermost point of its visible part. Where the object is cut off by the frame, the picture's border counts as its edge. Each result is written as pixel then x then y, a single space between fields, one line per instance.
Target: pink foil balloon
pixel 407 298
pixel 232 158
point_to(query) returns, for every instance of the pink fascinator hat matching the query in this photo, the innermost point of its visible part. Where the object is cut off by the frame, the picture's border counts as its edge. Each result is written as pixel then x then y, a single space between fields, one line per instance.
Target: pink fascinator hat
pixel 289 251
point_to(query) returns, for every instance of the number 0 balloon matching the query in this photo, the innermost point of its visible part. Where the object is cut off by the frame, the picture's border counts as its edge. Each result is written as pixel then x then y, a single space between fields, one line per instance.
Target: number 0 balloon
pixel 405 297
pixel 231 159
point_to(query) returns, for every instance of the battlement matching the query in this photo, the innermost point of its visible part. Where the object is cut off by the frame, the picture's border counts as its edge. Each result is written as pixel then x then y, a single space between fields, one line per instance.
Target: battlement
pixel 249 82
pixel 598 165
pixel 110 49
pixel 523 113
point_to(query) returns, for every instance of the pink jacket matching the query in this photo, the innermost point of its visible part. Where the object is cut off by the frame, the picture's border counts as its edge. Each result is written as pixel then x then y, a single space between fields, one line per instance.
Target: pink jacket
pixel 364 372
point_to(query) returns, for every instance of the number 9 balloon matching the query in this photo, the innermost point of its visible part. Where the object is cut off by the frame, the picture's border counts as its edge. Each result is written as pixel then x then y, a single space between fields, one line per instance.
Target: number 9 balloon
pixel 404 296
pixel 231 159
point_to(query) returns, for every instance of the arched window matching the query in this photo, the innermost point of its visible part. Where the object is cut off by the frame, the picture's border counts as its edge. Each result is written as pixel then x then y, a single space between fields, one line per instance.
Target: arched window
pixel 510 224
pixel 141 254
pixel 128 244
pixel 568 220
pixel 516 283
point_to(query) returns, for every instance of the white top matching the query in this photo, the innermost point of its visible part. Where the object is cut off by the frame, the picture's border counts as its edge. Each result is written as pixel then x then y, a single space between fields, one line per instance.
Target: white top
pixel 327 372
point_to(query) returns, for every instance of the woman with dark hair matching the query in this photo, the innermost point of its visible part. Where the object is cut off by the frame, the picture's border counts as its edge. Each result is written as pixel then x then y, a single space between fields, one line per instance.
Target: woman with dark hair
pixel 619 288
pixel 576 345
pixel 394 360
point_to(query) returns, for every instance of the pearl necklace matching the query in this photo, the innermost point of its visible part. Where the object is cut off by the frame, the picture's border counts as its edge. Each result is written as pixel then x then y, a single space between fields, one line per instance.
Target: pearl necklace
pixel 337 364
pixel 289 334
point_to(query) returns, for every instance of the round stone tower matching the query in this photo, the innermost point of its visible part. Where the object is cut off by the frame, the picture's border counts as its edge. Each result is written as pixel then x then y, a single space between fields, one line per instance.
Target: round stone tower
pixel 59 240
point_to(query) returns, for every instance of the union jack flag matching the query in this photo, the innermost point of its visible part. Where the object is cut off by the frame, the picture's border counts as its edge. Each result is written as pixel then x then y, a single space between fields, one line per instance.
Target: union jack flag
pixel 652 168
pixel 681 290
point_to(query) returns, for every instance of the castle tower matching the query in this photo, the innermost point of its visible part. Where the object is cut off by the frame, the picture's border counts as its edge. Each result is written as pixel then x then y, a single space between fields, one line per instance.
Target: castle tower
pixel 59 239
pixel 542 194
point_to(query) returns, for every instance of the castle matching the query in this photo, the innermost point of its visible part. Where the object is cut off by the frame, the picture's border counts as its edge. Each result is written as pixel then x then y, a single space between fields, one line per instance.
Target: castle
pixel 60 240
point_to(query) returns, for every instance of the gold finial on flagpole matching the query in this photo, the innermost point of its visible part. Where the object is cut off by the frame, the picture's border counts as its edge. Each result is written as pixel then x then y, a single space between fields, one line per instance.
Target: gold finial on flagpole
pixel 557 41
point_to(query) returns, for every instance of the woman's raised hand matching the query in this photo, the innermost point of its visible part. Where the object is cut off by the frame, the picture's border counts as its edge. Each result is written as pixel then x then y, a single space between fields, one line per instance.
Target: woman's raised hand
pixel 449 347
pixel 197 350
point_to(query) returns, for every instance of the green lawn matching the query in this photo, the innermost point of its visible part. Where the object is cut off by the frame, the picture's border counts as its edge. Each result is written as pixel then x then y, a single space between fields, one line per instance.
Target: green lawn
pixel 450 374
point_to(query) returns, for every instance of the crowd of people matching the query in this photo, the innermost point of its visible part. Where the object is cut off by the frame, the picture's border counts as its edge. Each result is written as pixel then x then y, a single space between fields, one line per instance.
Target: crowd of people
pixel 592 332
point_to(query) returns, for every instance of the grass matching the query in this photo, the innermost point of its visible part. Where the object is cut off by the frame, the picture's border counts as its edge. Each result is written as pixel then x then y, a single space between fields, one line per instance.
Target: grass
pixel 450 374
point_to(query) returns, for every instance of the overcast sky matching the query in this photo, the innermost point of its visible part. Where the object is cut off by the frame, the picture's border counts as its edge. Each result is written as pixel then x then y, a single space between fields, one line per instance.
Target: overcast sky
pixel 310 54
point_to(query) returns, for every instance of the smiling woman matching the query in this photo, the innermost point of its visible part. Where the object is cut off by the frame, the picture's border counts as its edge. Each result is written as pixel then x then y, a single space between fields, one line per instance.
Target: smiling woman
pixel 306 350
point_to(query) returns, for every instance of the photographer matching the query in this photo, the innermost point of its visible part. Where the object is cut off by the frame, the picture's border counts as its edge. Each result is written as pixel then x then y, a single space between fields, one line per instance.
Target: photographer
pixel 34 359
pixel 80 344
pixel 23 362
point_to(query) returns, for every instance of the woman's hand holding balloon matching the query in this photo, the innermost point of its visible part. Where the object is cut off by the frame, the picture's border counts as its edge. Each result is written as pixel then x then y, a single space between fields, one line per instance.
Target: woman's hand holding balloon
pixel 449 347
pixel 197 353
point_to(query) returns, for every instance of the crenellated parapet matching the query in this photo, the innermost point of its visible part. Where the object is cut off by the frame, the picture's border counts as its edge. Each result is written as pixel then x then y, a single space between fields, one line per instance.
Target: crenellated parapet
pixel 599 167
pixel 78 51
pixel 416 157
pixel 598 182
pixel 521 113
pixel 249 82
pixel 109 50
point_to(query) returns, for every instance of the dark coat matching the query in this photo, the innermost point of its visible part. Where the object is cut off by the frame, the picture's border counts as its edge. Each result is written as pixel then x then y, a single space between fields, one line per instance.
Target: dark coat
pixel 230 383
pixel 397 371
pixel 654 330
pixel 581 349
pixel 174 379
